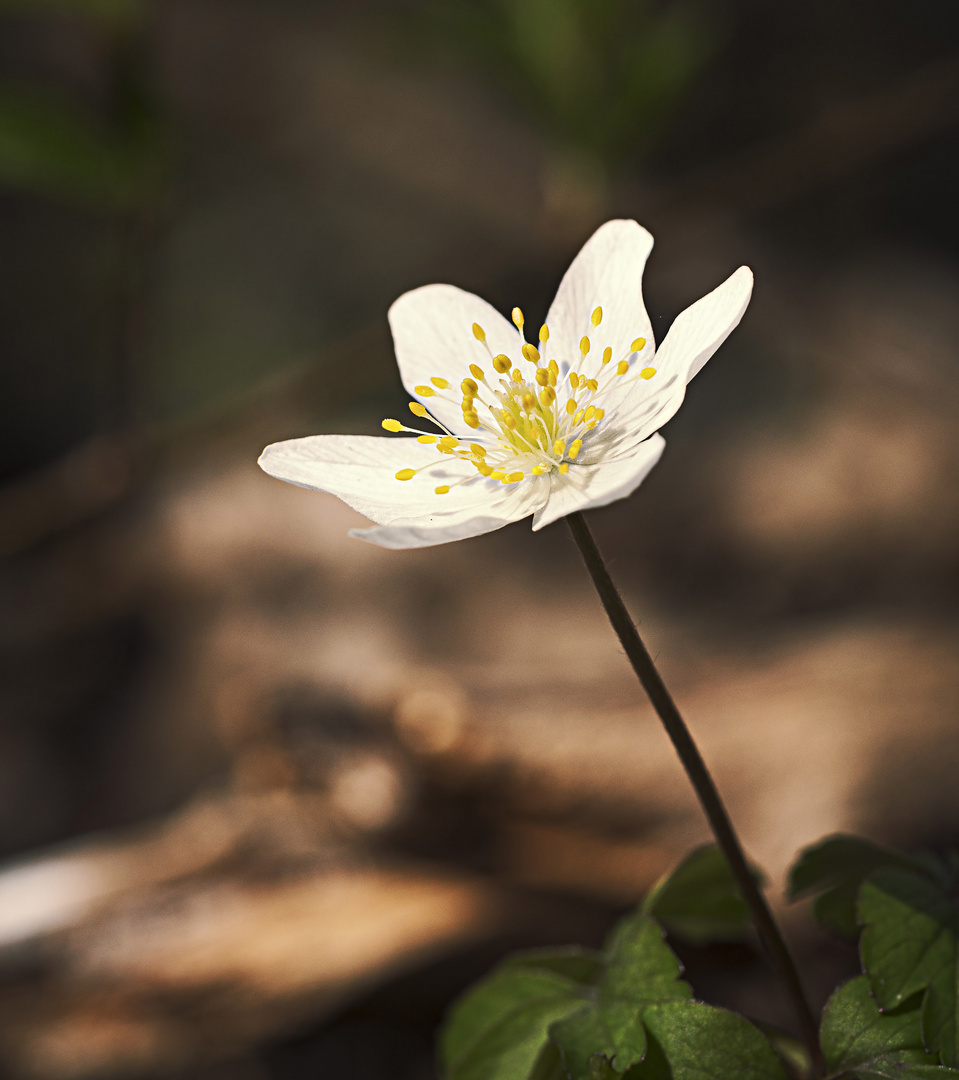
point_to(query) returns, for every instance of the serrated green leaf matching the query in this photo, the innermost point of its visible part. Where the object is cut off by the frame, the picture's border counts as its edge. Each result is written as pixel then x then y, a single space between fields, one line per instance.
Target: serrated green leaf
pixel 909 944
pixel 701 1042
pixel 700 900
pixel 857 1038
pixel 835 868
pixel 502 1023
pixel 641 969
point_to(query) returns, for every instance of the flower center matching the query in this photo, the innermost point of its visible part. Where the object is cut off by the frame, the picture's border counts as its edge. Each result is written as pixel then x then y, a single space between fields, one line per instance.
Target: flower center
pixel 529 420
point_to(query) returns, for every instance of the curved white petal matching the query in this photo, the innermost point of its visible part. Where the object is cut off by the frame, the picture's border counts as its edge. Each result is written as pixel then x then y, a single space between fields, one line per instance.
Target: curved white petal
pixel 607 273
pixel 433 336
pixel 524 500
pixel 587 486
pixel 699 331
pixel 361 470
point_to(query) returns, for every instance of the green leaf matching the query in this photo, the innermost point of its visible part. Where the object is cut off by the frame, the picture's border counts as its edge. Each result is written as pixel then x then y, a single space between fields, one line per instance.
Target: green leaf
pixel 835 868
pixel 641 970
pixel 700 900
pixel 857 1038
pixel 499 1028
pixel 909 944
pixel 700 1042
pixel 581 965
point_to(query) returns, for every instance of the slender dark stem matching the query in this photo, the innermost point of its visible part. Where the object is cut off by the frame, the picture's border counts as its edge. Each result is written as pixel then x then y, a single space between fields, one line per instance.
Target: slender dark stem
pixel 699 776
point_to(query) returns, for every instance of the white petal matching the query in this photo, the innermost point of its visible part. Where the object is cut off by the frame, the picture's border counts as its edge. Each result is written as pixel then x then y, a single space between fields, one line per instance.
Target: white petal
pixel 587 486
pixel 361 470
pixel 526 498
pixel 433 336
pixel 699 331
pixel 607 273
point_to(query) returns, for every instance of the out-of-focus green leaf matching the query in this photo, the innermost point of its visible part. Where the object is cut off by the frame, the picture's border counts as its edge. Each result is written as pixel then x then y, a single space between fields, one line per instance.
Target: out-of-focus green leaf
pixel 700 900
pixel 693 1041
pixel 56 148
pixel 834 869
pixel 641 969
pixel 909 944
pixel 857 1038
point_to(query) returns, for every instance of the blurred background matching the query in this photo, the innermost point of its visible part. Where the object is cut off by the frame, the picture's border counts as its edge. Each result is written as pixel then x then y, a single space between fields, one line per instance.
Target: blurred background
pixel 270 797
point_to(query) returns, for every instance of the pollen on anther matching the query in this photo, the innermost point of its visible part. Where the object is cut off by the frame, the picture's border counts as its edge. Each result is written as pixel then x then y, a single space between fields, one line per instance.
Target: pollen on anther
pixel 547 396
pixel 574 448
pixel 544 333
pixel 542 376
pixel 531 353
pixel 622 367
pixel 425 391
pixel 392 425
pixel 514 477
pixel 597 317
pixel 516 375
pixel 607 355
pixel 442 384
pixel 501 363
pixel 539 470
pixel 469 387
pixel 571 406
pixel 638 345
pixel 478 451
pixel 647 373
pixel 406 474
pixel 443 489
pixel 478 332
pixel 564 468
pixel 426 439
pixel 476 371
pixel 417 409
pixel 518 319
pixel 559 447
pixel 584 345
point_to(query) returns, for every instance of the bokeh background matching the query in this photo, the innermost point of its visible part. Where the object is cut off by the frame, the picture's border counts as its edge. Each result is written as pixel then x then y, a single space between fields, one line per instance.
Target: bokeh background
pixel 270 797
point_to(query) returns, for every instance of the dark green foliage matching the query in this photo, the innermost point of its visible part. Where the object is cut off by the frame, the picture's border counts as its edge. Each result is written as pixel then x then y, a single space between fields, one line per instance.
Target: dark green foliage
pixel 700 900
pixel 833 870
pixel 857 1038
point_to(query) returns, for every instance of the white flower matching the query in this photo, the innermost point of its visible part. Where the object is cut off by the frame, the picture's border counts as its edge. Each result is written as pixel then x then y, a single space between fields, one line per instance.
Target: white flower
pixel 566 424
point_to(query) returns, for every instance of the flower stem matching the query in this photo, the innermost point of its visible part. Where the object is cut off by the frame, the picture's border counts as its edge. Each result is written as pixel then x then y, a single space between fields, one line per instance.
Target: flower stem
pixel 699 776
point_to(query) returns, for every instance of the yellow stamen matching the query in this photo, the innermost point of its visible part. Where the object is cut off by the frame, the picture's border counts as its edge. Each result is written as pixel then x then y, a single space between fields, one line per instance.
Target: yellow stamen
pixel 471 420
pixel 476 371
pixel 392 425
pixel 539 470
pixel 406 474
pixel 592 384
pixel 441 384
pixel 514 477
pixel 590 412
pixel 584 345
pixel 497 474
pixel 597 317
pixel 578 418
pixel 443 489
pixel 501 363
pixel 469 387
pixel 622 367
pixel 564 468
pixel 571 406
pixel 417 409
pixel 482 467
pixel 542 376
pixel 544 333
pixel 647 373
pixel 531 353
pixel 448 442
pixel 478 332
pixel 559 447
pixel 516 375
pixel 425 391
pixel 427 439
pixel 607 355
pixel 638 345
pixel 529 401
pixel 478 451
pixel 547 396
pixel 518 319
pixel 574 448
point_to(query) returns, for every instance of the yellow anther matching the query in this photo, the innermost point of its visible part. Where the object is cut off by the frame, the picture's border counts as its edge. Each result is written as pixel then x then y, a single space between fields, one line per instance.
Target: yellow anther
pixel 553 367
pixel 607 355
pixel 425 391
pixel 592 384
pixel 497 474
pixel 529 401
pixel 476 371
pixel 449 442
pixel 547 396
pixel 516 375
pixel 582 382
pixel 483 468
pixel 571 406
pixel 539 470
pixel 622 367
pixel 478 332
pixel 392 425
pixel 471 420
pixel 518 319
pixel 638 345
pixel 574 448
pixel 564 468
pixel 501 363
pixel 589 413
pixel 647 373
pixel 417 409
pixel 599 414
pixel 584 345
pixel 559 447
pixel 478 451
pixel 544 333
pixel 443 489
pixel 441 384
pixel 508 421
pixel 514 477
pixel 577 419
pixel 573 380
pixel 467 403
pixel 597 317
pixel 406 474
pixel 426 439
pixel 469 387
pixel 531 353
pixel 551 376
pixel 542 376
